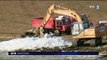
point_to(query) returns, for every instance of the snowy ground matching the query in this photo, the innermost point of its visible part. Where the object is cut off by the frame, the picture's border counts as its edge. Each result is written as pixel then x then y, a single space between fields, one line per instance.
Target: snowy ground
pixel 33 43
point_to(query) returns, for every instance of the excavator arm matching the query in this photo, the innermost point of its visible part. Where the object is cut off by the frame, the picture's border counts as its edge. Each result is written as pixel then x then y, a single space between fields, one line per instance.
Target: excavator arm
pixel 55 9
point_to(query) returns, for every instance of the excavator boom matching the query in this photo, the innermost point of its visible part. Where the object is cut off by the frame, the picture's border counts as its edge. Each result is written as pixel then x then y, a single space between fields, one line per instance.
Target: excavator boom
pixel 55 9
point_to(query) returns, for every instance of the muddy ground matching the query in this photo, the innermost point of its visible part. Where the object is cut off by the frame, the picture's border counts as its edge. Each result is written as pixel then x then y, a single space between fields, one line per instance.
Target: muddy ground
pixel 85 48
pixel 15 18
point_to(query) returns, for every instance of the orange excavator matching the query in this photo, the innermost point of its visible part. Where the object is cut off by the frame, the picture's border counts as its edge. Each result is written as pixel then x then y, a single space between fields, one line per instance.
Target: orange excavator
pixel 82 31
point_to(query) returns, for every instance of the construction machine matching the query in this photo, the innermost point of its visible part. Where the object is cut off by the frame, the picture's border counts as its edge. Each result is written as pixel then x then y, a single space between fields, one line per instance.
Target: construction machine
pixel 82 31
pixel 55 9
pixel 57 25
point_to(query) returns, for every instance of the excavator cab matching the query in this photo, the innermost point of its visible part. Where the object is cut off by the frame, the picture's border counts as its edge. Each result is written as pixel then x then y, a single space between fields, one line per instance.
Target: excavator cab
pixel 79 27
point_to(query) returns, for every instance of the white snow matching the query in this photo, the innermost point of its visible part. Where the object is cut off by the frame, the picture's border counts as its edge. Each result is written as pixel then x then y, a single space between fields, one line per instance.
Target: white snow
pixel 33 43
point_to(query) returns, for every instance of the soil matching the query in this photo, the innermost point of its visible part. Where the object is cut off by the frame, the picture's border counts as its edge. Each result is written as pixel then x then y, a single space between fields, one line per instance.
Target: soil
pixel 16 16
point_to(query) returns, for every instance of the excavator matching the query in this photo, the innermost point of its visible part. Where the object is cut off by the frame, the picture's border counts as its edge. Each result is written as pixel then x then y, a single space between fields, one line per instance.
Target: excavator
pixel 82 31
pixel 55 9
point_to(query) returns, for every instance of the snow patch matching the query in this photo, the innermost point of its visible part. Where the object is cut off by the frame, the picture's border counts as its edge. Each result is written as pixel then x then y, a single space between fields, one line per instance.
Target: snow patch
pixel 33 43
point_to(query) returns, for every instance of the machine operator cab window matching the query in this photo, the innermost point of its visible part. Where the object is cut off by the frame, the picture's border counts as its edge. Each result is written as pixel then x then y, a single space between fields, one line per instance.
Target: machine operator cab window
pixel 59 23
pixel 66 20
pixel 78 27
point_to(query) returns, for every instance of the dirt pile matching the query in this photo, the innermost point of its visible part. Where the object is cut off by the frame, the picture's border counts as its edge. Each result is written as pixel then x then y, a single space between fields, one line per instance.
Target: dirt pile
pixel 15 16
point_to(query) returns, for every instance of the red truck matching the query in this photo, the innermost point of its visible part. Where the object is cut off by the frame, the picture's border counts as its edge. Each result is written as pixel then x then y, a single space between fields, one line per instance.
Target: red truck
pixel 55 25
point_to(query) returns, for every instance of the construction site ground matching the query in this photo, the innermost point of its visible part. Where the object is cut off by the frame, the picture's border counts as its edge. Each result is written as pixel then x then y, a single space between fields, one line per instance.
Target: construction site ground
pixel 84 48
pixel 15 17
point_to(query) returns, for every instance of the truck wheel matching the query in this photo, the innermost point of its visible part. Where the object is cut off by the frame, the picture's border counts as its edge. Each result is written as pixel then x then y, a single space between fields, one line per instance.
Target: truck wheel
pixel 57 33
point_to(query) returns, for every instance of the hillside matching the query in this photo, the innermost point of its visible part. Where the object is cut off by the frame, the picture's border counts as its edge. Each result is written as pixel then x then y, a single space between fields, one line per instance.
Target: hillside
pixel 15 16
